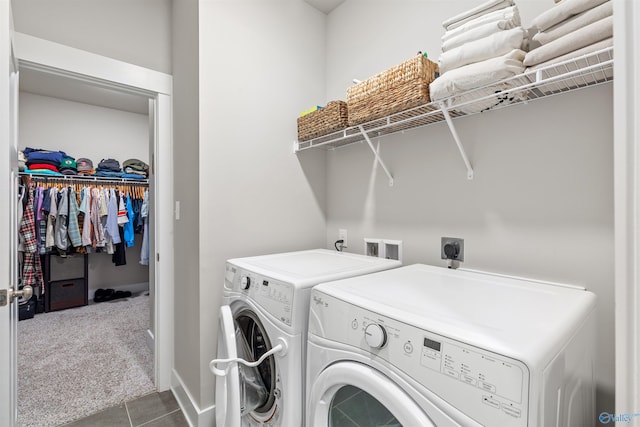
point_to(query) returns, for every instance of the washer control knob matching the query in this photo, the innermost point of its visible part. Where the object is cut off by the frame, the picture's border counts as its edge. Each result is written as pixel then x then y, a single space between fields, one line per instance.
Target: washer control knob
pixel 245 282
pixel 375 335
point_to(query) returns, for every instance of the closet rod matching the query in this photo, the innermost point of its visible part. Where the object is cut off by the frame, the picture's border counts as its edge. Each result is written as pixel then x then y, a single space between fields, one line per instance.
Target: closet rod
pixel 85 179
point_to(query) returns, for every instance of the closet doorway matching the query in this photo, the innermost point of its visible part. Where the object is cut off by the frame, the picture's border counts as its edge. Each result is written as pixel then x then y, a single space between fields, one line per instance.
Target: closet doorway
pixel 59 72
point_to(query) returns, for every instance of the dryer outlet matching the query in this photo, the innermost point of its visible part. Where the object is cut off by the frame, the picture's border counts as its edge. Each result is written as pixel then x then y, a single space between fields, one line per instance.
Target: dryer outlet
pixel 452 248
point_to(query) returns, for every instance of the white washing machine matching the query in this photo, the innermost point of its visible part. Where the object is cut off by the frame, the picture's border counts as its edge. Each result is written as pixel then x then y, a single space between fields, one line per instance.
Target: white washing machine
pixel 264 322
pixel 428 346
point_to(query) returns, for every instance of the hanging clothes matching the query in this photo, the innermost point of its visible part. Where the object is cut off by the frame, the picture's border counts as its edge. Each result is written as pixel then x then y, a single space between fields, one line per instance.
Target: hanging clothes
pixel 129 238
pixel 144 213
pixel 74 228
pixel 51 218
pixel 61 235
pixel 31 268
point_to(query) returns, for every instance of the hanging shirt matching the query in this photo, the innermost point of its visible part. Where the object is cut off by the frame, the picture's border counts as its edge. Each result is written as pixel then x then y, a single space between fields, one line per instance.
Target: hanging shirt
pixel 144 212
pixel 61 235
pixel 31 268
pixel 112 218
pixel 51 218
pixel 74 228
pixel 85 209
pixel 97 235
pixel 128 226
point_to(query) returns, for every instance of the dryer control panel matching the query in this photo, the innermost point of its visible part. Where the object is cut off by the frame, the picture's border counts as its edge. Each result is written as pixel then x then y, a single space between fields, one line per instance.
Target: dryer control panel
pixel 273 296
pixel 490 388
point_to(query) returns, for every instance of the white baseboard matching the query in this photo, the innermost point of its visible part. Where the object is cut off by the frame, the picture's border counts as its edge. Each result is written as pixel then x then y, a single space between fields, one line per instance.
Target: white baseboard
pixel 195 416
pixel 150 340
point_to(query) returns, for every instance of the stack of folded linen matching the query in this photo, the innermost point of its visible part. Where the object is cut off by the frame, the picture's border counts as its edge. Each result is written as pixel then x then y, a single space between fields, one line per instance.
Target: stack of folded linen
pixel 480 48
pixel 570 29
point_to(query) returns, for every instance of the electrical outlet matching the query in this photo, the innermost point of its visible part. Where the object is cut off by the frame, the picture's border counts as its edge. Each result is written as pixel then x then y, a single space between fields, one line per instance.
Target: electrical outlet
pixel 342 235
pixel 452 248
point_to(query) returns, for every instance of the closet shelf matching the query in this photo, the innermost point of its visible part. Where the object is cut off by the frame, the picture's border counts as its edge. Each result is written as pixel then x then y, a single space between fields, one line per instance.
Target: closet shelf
pixel 85 178
pixel 577 73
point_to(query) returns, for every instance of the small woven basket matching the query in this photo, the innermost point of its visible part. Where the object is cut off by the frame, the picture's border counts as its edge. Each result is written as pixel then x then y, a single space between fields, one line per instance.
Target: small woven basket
pixel 331 118
pixel 399 88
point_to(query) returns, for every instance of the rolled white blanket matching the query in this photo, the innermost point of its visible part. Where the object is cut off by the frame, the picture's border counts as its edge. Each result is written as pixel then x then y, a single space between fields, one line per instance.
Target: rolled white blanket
pixel 602 44
pixel 574 23
pixel 477 33
pixel 562 11
pixel 477 75
pixel 496 44
pixel 508 14
pixel 585 36
pixel 479 10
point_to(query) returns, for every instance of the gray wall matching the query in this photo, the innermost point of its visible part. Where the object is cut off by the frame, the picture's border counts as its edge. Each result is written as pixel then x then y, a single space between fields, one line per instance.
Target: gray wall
pixel 138 32
pixel 187 184
pixel 261 63
pixel 541 202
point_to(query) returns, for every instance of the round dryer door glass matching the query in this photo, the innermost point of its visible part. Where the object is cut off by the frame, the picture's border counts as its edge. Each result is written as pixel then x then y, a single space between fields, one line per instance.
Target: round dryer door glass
pixel 353 407
pixel 257 340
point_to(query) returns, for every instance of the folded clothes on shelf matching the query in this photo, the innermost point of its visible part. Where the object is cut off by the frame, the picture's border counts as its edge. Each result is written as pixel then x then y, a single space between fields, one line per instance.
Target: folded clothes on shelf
pixel 492 46
pixel 482 9
pixel 585 36
pixel 563 11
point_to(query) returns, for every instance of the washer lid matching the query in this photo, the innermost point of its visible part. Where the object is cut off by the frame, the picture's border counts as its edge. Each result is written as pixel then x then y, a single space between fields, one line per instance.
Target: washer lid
pixel 228 386
pixel 307 268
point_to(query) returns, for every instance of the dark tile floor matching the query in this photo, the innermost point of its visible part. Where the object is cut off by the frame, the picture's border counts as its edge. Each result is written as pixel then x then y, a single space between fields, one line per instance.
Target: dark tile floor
pixel 151 410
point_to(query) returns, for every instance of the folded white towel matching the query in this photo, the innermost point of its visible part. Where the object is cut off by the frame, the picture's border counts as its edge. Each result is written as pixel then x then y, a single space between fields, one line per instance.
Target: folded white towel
pixel 585 36
pixel 496 44
pixel 574 23
pixel 563 10
pixel 508 14
pixel 479 10
pixel 477 75
pixel 477 33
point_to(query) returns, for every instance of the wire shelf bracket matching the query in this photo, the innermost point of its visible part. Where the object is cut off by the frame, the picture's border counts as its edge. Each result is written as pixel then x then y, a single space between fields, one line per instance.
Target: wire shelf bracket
pixel 456 138
pixel 377 155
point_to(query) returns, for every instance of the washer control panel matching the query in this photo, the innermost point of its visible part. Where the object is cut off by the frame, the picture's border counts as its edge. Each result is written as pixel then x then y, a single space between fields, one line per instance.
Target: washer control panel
pixel 274 296
pixel 490 388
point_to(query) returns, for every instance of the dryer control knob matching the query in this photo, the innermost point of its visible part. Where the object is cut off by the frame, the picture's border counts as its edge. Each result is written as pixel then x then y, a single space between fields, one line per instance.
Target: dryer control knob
pixel 245 282
pixel 375 335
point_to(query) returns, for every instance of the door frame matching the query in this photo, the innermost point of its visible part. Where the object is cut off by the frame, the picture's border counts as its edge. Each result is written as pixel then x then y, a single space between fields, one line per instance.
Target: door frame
pixel 626 106
pixel 49 57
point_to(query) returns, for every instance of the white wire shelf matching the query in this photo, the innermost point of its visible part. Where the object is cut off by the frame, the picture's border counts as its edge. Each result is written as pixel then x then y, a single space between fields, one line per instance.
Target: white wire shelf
pixel 584 71
pixel 83 179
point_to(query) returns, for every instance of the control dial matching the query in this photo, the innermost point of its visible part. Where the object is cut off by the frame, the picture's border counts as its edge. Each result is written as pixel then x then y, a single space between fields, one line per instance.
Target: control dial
pixel 245 282
pixel 375 335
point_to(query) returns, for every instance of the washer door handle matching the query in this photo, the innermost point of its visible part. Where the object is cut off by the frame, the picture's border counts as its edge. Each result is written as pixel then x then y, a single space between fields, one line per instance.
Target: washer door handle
pixel 281 348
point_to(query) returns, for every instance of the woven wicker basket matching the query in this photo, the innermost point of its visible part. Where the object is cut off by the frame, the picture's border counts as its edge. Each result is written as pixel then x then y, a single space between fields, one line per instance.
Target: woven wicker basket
pixel 399 88
pixel 331 118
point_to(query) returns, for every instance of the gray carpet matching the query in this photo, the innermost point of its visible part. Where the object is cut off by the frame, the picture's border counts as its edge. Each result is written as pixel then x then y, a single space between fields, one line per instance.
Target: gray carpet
pixel 79 361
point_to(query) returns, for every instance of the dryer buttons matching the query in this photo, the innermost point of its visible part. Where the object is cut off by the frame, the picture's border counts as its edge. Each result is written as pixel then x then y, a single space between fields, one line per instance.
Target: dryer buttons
pixel 408 347
pixel 245 282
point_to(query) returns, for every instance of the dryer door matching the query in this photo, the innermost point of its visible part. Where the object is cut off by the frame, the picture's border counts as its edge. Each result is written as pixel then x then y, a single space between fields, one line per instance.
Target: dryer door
pixel 360 395
pixel 228 386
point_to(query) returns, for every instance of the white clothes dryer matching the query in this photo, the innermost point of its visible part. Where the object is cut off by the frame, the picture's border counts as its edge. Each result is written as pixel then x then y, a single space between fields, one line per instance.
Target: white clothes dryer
pixel 423 346
pixel 263 328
